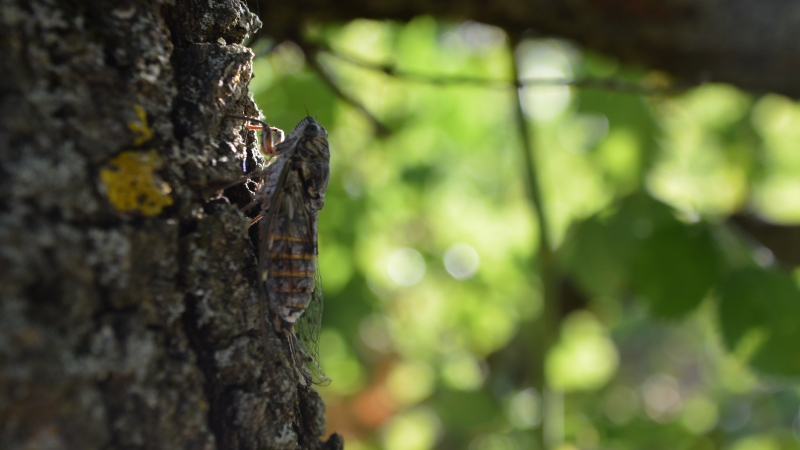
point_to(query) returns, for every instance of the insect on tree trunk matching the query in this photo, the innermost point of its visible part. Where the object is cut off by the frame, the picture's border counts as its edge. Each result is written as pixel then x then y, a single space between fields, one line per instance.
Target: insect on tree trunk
pixel 128 294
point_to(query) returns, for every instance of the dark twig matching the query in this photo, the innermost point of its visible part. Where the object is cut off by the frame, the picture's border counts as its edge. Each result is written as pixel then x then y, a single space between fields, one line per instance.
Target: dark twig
pixel 610 84
pixel 550 433
pixel 410 76
pixel 312 53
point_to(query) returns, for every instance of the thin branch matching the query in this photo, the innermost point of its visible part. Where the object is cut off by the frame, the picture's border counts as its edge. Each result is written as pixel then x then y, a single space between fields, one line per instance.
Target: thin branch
pixel 312 52
pixel 550 433
pixel 610 84
pixel 410 76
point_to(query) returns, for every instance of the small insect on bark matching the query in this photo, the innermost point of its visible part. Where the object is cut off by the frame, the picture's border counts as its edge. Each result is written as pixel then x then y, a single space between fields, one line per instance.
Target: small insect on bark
pixel 291 194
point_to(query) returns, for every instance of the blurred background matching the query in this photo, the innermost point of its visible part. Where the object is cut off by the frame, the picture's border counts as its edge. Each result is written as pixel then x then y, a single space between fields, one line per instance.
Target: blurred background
pixel 638 299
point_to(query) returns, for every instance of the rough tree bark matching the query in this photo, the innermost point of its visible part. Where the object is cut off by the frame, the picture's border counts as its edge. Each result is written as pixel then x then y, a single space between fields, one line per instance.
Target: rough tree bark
pixel 127 281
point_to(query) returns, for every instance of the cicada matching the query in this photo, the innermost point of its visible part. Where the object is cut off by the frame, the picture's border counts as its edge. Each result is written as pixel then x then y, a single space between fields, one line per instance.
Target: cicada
pixel 291 194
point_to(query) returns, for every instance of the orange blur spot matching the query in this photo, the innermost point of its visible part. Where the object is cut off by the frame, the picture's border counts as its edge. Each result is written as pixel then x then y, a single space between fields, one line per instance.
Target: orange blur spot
pixel 293 291
pixel 275 237
pixel 290 256
pixel 374 406
pixel 292 274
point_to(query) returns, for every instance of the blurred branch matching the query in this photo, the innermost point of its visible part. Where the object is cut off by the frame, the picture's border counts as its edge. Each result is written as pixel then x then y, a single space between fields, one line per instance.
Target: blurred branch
pixel 392 71
pixel 543 336
pixel 609 84
pixel 752 45
pixel 313 51
pixel 782 240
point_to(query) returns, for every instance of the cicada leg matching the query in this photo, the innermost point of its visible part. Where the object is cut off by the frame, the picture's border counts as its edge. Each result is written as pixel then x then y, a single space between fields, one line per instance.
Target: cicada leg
pixel 255 219
pixel 274 134
pixel 270 136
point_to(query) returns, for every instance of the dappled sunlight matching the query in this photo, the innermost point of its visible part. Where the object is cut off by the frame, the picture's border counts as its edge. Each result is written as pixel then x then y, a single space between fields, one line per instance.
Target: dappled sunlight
pixel 430 258
pixel 411 381
pixel 662 398
pixel 621 404
pixel 461 261
pixel 700 414
pixel 416 429
pixel 585 358
pixel 543 61
pixel 700 171
pixel 406 267
pixel 524 409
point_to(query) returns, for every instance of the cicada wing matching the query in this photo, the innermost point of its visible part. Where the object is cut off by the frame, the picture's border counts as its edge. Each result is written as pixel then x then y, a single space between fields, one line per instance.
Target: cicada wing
pixel 308 329
pixel 277 202
pixel 288 250
pixel 308 326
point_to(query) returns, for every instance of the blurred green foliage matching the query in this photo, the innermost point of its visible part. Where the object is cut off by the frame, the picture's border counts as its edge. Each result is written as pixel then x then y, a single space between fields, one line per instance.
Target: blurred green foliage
pixel 682 331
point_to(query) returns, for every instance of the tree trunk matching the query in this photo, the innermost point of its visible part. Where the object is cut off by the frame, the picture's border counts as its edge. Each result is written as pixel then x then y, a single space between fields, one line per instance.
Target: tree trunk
pixel 128 300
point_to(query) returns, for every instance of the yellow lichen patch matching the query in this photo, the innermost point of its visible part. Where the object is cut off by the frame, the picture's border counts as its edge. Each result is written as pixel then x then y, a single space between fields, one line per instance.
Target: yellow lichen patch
pixel 140 128
pixel 131 183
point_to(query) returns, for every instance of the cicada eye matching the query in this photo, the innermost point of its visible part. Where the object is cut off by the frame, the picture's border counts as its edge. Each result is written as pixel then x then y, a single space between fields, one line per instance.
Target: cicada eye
pixel 312 130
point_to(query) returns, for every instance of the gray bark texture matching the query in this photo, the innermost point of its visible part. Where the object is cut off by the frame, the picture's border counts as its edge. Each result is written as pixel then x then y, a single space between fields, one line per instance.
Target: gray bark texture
pixel 752 44
pixel 128 299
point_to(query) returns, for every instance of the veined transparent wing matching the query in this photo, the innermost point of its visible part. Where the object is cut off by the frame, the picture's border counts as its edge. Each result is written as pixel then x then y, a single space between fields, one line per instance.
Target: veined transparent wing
pixel 308 329
pixel 289 271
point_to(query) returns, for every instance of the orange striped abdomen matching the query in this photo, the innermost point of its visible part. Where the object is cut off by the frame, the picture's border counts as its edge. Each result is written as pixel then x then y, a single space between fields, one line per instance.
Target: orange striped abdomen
pixel 290 280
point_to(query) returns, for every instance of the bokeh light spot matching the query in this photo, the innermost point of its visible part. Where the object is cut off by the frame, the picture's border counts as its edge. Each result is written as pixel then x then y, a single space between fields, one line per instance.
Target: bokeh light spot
pixel 699 414
pixel 411 381
pixel 406 267
pixel 481 37
pixel 417 429
pixel 339 363
pixel 585 358
pixel 583 131
pixel 462 371
pixel 287 58
pixel 756 443
pixel 375 332
pixel 662 398
pixel 494 441
pixel 525 409
pixel 621 404
pixel 461 261
pixel 544 61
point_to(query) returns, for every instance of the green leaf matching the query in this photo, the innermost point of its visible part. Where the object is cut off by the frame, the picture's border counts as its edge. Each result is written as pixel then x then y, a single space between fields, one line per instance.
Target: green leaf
pixel 293 97
pixel 600 251
pixel 759 311
pixel 675 268
pixel 467 411
pixel 594 258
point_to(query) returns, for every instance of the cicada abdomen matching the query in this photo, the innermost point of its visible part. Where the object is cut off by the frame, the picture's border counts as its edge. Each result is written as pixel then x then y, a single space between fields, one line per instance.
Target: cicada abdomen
pixel 291 194
pixel 291 255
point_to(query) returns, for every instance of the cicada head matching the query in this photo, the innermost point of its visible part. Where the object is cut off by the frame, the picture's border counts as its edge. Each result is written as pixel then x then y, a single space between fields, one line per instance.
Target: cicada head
pixel 310 139
pixel 309 128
